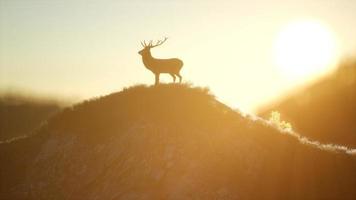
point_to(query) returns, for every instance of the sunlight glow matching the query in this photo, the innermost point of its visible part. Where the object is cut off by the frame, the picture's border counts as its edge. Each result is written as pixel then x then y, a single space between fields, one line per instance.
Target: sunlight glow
pixel 304 49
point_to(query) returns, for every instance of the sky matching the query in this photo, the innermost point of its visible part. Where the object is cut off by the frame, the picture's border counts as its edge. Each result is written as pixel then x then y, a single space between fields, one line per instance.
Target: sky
pixel 81 49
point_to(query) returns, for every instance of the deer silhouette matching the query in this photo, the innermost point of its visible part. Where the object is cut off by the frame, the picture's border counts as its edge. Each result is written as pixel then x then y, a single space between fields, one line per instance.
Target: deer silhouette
pixel 170 66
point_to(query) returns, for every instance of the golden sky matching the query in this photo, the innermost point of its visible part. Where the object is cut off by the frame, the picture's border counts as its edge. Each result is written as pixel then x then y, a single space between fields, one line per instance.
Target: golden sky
pixel 82 48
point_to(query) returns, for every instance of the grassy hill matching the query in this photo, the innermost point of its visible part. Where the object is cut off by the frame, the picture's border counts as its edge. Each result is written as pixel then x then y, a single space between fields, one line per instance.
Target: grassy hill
pixel 170 142
pixel 326 110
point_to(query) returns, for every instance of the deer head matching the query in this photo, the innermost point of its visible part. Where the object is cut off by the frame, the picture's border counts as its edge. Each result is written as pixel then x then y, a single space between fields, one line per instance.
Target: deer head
pixel 147 47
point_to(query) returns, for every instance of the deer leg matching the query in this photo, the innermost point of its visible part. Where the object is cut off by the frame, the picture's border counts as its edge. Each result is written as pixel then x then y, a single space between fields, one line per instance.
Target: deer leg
pixel 174 77
pixel 180 78
pixel 157 79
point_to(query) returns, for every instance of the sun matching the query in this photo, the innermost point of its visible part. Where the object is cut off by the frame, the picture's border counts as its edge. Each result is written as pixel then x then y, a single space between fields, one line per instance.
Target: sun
pixel 304 49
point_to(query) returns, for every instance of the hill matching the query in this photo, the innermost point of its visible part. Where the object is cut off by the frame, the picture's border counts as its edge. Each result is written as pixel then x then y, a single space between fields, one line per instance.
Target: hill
pixel 326 110
pixel 20 115
pixel 170 142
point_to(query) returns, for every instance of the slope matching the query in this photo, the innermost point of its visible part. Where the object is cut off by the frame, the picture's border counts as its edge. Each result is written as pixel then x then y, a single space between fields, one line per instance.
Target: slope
pixel 170 142
pixel 326 110
pixel 21 115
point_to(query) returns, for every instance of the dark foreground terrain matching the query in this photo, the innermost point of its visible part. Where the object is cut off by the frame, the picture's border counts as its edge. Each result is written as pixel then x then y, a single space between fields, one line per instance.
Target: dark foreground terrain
pixel 169 142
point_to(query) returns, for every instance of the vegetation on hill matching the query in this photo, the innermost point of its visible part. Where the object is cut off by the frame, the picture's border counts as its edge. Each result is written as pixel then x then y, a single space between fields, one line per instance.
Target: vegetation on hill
pixel 170 142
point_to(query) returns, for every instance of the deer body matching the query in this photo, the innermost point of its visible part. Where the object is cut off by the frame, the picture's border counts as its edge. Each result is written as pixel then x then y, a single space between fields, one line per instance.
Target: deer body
pixel 170 66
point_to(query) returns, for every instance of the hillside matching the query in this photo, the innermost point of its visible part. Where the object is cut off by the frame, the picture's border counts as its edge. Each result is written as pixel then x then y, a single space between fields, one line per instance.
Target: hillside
pixel 20 115
pixel 326 110
pixel 169 142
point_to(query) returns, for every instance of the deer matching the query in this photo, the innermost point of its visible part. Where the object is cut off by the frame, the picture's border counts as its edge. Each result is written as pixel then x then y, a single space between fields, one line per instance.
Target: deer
pixel 170 66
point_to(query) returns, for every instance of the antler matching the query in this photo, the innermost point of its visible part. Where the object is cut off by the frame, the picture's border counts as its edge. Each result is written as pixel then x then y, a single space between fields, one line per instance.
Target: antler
pixel 159 42
pixel 143 44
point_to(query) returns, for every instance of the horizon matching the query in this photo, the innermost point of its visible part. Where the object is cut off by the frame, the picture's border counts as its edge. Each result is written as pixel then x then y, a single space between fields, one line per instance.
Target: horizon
pixel 80 50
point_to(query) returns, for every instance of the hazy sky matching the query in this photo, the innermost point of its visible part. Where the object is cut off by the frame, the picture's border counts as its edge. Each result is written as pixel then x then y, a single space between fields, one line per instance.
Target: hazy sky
pixel 77 48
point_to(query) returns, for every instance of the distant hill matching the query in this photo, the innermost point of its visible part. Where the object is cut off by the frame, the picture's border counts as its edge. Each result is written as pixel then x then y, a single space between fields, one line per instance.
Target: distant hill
pixel 20 115
pixel 326 110
pixel 170 142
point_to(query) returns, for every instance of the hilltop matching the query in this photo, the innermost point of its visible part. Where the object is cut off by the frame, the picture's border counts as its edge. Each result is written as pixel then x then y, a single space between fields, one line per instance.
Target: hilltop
pixel 169 142
pixel 326 110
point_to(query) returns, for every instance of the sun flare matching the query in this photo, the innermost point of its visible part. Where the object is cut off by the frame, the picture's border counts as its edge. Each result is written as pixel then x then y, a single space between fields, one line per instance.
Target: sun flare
pixel 305 48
